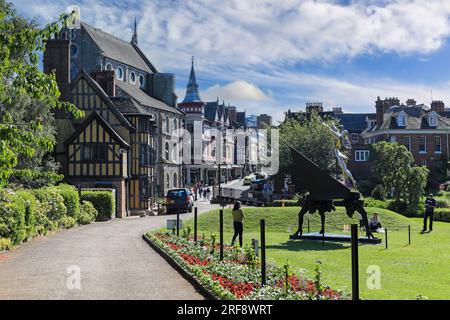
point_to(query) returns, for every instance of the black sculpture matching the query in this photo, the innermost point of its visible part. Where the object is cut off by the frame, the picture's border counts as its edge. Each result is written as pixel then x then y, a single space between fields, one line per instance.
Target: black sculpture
pixel 325 193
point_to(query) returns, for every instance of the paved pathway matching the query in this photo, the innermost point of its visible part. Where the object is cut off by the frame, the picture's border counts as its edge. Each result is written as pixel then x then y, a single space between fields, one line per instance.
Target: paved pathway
pixel 114 261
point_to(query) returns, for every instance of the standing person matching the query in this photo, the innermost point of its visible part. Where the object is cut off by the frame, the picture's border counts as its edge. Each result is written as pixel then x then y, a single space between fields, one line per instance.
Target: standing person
pixel 430 204
pixel 208 192
pixel 238 218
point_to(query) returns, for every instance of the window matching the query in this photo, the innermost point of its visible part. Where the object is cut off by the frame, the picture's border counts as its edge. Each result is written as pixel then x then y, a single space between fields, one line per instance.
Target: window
pixel 73 50
pixel 166 151
pixel 144 125
pixel 355 138
pixel 393 138
pixel 438 164
pixel 401 121
pixel 145 190
pixel 141 81
pixel 94 152
pixel 167 181
pixel 132 77
pixel 109 67
pixel 119 73
pixel 437 144
pixel 423 163
pixel 175 180
pixel 145 155
pixel 175 124
pixel 432 119
pixel 361 155
pixel 423 144
pixel 407 142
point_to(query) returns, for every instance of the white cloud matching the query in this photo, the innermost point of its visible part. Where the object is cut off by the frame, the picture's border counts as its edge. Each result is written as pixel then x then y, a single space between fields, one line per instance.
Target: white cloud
pixel 259 42
pixel 236 91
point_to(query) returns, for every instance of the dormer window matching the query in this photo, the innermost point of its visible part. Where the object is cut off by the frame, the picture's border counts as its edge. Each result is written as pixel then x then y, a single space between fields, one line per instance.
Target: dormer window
pixel 119 73
pixel 401 119
pixel 432 119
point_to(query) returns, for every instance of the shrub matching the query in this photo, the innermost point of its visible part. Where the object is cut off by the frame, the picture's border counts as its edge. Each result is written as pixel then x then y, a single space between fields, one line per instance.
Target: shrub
pixel 30 211
pixel 378 193
pixel 442 214
pixel 71 200
pixel 442 203
pixel 67 222
pixel 88 213
pixel 53 203
pixel 28 178
pixel 369 202
pixel 12 217
pixel 102 201
pixel 43 223
pixel 5 244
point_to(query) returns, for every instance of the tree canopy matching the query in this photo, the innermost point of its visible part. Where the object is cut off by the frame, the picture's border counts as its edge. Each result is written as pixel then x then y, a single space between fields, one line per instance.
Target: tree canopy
pixel 309 136
pixel 21 41
pixel 394 165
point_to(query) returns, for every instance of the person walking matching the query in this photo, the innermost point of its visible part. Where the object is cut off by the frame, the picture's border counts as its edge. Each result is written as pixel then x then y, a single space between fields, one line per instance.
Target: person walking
pixel 430 204
pixel 238 218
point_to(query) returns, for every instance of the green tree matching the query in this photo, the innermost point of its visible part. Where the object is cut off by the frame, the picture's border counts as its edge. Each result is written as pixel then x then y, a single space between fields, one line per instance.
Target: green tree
pixel 393 164
pixel 309 136
pixel 20 43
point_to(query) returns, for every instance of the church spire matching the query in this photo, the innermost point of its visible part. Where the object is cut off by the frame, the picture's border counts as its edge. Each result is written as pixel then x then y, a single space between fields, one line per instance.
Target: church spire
pixel 192 87
pixel 134 39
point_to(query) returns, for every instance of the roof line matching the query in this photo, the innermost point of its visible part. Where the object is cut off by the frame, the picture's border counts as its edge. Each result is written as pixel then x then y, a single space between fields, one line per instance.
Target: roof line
pixel 107 127
pixel 99 90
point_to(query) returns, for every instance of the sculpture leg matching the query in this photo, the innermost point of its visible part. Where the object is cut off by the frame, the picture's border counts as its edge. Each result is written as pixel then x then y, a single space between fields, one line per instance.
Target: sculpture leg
pixel 365 220
pixel 322 220
pixel 301 214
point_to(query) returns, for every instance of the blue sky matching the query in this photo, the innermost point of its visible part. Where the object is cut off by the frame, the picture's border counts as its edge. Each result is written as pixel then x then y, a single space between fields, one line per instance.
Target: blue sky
pixel 266 56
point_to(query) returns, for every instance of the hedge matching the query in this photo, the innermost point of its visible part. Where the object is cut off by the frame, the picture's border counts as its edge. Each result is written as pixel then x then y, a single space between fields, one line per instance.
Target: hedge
pixel 26 213
pixel 71 200
pixel 442 214
pixel 102 201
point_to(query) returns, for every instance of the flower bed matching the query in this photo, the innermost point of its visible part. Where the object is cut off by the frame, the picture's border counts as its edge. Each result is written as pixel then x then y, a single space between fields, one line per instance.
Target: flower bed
pixel 238 276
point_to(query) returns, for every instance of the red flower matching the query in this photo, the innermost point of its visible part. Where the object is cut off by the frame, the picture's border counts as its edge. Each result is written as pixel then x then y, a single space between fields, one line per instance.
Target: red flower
pixel 193 260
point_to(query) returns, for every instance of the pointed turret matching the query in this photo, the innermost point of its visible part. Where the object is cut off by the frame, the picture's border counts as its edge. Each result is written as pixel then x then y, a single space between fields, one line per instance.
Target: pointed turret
pixel 192 94
pixel 134 39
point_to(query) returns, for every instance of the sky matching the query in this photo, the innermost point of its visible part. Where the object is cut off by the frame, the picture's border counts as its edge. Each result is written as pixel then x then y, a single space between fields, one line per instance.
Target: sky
pixel 267 56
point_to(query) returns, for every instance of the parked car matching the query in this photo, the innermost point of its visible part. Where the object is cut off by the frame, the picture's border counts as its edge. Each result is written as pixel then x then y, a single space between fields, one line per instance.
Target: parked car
pixel 179 200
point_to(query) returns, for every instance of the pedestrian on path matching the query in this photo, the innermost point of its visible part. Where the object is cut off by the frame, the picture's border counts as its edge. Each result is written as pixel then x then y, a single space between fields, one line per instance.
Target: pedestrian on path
pixel 430 204
pixel 238 219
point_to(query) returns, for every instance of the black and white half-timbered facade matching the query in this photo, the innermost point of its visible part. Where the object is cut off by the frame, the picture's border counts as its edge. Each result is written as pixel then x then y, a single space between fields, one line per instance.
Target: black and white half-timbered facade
pixel 125 140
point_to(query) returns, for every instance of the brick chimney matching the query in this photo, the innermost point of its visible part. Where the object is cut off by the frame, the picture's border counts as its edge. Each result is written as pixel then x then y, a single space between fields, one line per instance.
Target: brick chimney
pixel 107 80
pixel 381 107
pixel 411 102
pixel 438 106
pixel 57 60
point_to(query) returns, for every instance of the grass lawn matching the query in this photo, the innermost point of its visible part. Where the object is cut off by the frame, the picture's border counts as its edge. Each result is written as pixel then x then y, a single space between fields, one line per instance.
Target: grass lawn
pixel 406 270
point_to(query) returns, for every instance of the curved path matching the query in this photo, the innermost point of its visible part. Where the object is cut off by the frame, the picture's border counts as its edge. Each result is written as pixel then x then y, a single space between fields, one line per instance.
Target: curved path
pixel 114 263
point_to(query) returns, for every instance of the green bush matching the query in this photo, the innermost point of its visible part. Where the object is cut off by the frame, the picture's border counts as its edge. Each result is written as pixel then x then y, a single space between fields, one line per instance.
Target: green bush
pixel 71 200
pixel 378 193
pixel 442 203
pixel 5 244
pixel 30 203
pixel 442 214
pixel 286 203
pixel 102 201
pixel 373 203
pixel 88 213
pixel 53 202
pixel 67 222
pixel 28 178
pixel 12 217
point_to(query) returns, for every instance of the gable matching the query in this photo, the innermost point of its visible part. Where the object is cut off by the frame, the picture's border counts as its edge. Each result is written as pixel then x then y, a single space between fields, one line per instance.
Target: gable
pixel 86 94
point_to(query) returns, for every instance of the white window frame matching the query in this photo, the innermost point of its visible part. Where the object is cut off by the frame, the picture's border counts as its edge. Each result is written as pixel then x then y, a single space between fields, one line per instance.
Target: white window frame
pixel 407 144
pixel 120 70
pixel 424 143
pixel 432 119
pixel 401 121
pixel 132 73
pixel 435 144
pixel 361 155
pixel 355 137
pixel 141 81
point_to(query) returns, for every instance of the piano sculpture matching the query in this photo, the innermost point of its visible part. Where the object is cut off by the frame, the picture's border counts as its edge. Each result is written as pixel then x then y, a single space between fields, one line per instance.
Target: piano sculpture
pixel 324 193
